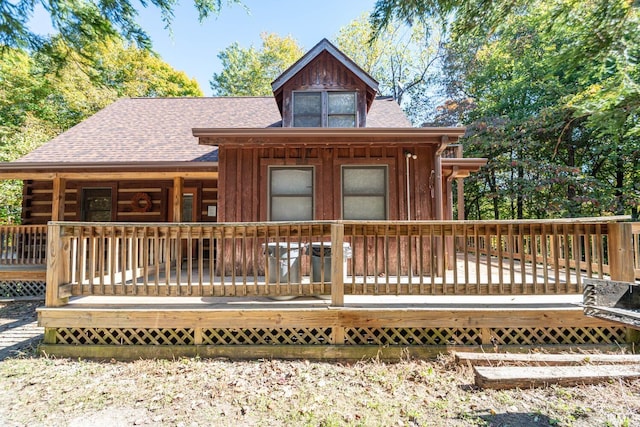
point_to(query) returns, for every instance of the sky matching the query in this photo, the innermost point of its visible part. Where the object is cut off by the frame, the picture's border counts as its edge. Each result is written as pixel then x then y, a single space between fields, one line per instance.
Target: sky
pixel 193 47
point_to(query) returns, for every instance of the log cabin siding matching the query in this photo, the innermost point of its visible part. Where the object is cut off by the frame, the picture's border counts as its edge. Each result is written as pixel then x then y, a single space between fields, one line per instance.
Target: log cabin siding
pixel 244 179
pixel 37 197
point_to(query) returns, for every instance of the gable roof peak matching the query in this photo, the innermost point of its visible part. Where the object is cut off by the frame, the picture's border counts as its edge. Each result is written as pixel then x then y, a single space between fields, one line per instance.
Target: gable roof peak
pixel 322 46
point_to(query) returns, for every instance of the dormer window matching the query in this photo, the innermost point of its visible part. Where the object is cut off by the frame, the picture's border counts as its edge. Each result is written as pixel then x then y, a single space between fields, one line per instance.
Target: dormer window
pixel 335 109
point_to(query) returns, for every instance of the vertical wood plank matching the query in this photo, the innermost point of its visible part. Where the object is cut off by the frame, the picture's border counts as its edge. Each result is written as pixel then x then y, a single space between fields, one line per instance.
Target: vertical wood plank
pixel 176 203
pixel 55 265
pixel 555 249
pixel 599 250
pixel 545 257
pixel 500 262
pixel 621 252
pixel 57 199
pixel 476 238
pixel 337 273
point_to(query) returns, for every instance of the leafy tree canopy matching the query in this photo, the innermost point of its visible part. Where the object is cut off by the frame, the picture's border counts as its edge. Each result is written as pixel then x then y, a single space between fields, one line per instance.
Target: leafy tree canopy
pixel 404 60
pixel 550 91
pixel 250 71
pixel 40 98
pixel 79 20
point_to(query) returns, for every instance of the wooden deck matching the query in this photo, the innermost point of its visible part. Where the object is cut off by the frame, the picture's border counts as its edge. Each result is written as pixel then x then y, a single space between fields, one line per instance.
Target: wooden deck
pixel 22 261
pixel 395 289
pixel 366 326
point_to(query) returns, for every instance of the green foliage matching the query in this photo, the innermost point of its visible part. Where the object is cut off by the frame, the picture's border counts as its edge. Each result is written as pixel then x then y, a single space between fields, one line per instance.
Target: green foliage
pixel 250 71
pixel 79 21
pixel 404 60
pixel 39 98
pixel 550 92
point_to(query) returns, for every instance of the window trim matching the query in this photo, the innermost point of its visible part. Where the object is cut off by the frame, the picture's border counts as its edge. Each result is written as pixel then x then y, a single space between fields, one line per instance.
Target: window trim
pixel 271 168
pixel 385 193
pixel 324 106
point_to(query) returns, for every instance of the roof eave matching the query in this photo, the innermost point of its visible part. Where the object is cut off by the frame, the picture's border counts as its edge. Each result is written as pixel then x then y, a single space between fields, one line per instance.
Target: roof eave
pixel 94 170
pixel 301 133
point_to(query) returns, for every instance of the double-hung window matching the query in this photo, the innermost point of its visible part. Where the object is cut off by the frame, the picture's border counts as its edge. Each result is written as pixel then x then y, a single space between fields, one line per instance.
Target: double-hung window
pixel 324 109
pixel 290 193
pixel 364 192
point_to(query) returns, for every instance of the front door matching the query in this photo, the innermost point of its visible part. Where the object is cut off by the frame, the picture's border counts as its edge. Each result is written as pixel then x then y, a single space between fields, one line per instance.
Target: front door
pixel 189 205
pixel 189 214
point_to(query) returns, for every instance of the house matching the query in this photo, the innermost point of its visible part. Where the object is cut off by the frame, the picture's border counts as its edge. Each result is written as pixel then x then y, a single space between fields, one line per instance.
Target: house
pixel 324 147
pixel 323 161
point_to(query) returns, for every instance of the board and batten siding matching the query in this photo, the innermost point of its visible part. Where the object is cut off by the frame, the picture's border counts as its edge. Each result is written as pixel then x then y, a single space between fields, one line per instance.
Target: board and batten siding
pixel 325 73
pixel 244 179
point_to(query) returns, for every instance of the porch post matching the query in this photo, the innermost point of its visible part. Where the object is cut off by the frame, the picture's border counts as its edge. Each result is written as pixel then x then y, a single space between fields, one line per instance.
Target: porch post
pixel 449 243
pixel 58 250
pixel 58 199
pixel 621 251
pixel 441 261
pixel 178 186
pixel 460 187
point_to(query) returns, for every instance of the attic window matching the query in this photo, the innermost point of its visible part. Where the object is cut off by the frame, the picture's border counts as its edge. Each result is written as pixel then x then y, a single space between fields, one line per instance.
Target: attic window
pixel 324 109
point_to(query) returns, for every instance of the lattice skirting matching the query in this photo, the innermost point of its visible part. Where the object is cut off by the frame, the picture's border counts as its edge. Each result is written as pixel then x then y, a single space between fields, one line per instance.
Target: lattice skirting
pixel 22 288
pixel 352 336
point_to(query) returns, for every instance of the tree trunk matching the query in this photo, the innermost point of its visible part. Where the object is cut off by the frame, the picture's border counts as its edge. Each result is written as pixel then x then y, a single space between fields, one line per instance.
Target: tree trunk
pixel 494 192
pixel 619 184
pixel 571 189
pixel 520 199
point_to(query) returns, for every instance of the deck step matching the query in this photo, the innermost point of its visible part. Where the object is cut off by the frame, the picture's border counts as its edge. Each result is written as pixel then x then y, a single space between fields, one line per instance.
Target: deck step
pixel 544 359
pixel 524 377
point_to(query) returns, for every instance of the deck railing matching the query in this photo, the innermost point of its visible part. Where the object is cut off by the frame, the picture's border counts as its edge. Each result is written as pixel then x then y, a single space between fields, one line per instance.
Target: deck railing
pixel 334 258
pixel 23 245
pixel 635 229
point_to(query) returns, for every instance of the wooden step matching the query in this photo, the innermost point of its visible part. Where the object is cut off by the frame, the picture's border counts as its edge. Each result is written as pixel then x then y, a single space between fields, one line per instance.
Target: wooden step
pixel 523 377
pixel 543 359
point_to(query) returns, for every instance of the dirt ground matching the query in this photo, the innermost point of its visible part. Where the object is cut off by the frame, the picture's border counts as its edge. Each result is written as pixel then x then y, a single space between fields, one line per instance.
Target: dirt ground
pixel 41 391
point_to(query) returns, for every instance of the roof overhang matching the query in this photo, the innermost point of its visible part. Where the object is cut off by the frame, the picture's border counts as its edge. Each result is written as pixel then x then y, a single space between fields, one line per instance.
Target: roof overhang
pixel 107 171
pixel 457 167
pixel 325 136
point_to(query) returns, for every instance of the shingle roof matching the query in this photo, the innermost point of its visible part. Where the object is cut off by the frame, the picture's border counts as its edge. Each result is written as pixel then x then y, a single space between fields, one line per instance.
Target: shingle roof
pixel 159 129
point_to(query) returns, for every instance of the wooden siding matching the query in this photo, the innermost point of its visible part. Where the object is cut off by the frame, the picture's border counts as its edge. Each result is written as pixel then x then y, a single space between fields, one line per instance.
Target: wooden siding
pixel 325 73
pixel 244 179
pixel 37 199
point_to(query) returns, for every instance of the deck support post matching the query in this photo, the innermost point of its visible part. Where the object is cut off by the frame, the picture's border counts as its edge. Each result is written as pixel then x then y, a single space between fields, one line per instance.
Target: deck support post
pixel 449 245
pixel 58 252
pixel 337 265
pixel 485 334
pixel 460 187
pixel 621 252
pixel 441 262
